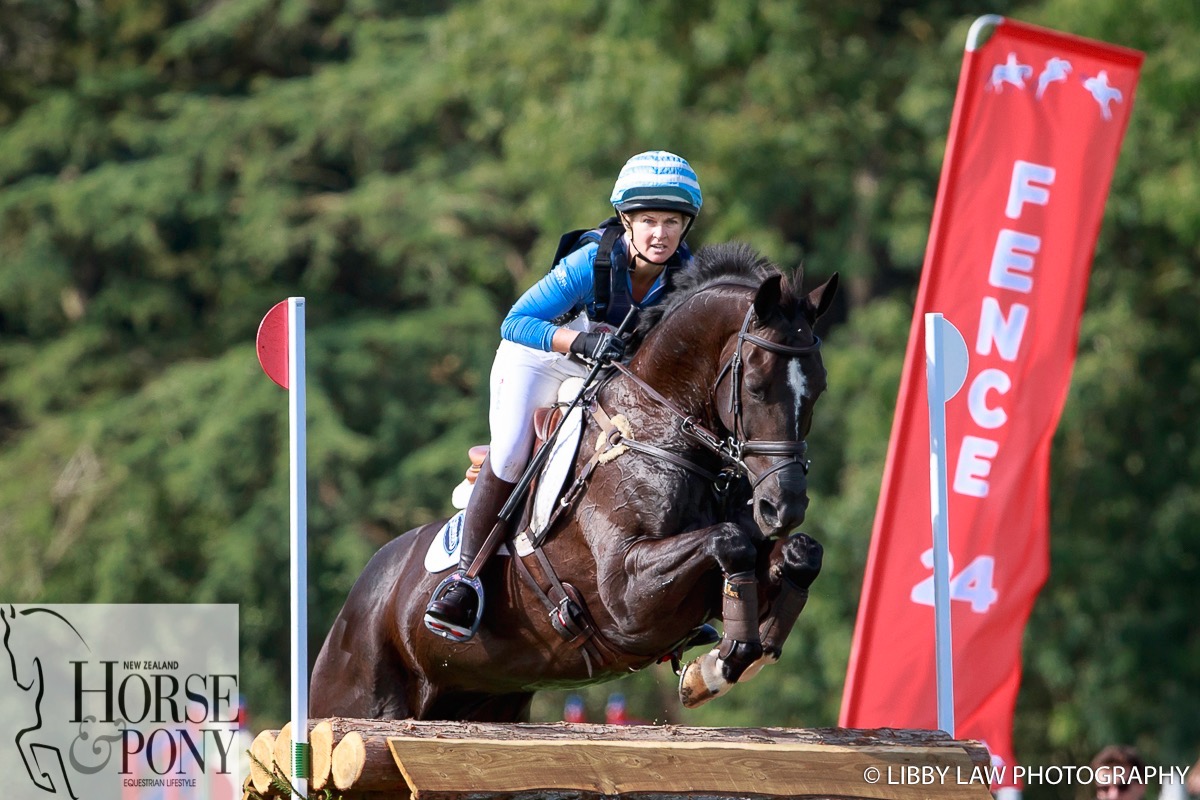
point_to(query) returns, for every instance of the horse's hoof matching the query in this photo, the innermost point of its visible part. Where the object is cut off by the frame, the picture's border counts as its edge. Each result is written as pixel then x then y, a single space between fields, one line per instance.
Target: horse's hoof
pixel 754 668
pixel 802 562
pixel 701 681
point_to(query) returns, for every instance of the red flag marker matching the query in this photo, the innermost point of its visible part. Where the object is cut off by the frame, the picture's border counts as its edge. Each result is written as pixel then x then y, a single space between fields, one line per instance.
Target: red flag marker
pixel 272 343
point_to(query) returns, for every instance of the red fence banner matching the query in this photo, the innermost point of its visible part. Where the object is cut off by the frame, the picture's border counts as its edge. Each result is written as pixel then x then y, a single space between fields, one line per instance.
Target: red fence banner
pixel 1034 137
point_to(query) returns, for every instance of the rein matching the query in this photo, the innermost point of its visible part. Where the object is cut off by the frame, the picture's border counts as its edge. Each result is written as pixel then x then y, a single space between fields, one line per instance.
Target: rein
pixel 734 448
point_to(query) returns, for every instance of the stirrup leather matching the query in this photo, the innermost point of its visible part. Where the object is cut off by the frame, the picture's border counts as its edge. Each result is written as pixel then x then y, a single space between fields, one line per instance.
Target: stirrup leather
pixel 446 630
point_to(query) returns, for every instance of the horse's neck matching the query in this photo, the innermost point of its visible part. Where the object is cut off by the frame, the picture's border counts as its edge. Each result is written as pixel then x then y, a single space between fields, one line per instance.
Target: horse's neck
pixel 681 359
pixel 655 422
pixel 673 494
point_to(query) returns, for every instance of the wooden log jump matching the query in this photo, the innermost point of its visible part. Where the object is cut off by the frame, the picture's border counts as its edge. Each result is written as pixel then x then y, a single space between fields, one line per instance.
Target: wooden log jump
pixel 397 760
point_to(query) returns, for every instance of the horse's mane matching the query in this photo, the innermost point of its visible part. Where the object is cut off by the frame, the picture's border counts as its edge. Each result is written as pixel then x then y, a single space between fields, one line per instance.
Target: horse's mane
pixel 728 262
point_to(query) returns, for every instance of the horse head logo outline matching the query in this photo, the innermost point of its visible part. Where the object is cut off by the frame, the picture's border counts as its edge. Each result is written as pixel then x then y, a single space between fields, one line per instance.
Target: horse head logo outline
pixel 29 677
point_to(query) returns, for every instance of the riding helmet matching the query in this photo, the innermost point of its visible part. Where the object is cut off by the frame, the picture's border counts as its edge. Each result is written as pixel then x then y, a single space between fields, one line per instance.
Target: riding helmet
pixel 659 181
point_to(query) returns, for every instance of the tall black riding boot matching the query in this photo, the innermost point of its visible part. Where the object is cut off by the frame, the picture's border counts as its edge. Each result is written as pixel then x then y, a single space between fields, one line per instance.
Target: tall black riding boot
pixel 452 614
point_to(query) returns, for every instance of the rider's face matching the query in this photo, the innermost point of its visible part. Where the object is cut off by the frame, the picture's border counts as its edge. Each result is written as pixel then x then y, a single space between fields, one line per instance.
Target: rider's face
pixel 656 234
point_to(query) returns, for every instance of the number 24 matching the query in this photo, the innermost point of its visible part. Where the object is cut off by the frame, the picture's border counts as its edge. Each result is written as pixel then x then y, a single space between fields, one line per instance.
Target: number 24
pixel 973 585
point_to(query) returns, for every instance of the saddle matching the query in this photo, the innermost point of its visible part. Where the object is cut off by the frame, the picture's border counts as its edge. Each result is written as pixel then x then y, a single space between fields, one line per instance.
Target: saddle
pixel 545 422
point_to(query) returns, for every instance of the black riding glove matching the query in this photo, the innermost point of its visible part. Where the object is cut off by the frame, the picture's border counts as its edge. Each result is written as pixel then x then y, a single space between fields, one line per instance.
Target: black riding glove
pixel 598 346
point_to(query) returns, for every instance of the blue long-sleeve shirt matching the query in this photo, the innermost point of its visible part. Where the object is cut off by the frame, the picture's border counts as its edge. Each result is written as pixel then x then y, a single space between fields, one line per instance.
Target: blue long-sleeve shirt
pixel 570 285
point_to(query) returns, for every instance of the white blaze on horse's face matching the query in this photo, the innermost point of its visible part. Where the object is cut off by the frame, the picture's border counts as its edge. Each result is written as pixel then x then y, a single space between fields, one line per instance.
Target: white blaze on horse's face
pixel 799 387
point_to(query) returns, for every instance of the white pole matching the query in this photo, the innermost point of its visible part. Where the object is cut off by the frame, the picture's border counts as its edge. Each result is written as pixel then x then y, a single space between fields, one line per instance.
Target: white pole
pixel 299 544
pixel 942 385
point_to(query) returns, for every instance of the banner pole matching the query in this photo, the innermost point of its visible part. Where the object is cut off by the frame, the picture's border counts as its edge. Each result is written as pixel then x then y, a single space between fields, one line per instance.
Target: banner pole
pixel 935 374
pixel 299 545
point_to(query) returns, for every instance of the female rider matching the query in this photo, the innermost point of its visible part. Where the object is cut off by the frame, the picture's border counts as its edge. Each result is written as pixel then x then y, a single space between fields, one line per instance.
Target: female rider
pixel 657 198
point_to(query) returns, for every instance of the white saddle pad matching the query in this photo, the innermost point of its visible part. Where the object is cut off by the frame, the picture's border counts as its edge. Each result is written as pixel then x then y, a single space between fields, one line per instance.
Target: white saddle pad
pixel 444 549
pixel 558 466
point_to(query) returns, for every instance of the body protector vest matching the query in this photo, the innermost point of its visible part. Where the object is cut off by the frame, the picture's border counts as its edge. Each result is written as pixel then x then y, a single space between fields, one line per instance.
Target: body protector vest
pixel 610 286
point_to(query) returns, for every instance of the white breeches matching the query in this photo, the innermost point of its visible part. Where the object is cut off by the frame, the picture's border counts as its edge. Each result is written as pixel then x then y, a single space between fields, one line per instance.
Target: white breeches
pixel 523 379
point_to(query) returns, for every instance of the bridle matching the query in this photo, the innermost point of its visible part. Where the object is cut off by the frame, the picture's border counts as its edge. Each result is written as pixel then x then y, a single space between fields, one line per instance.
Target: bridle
pixel 734 448
pixel 788 452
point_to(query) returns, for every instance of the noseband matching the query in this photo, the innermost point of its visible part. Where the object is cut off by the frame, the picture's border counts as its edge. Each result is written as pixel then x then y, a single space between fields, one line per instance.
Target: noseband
pixel 735 448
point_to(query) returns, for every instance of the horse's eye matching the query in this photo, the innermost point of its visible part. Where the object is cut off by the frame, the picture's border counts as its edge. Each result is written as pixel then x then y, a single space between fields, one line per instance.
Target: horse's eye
pixel 757 392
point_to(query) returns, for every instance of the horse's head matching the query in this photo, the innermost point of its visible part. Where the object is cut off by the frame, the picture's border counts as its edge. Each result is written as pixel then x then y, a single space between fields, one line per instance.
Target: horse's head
pixel 753 328
pixel 765 393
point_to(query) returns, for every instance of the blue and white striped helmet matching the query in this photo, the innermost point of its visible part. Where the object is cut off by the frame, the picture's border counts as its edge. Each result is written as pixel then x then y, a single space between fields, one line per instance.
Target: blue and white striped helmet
pixel 660 181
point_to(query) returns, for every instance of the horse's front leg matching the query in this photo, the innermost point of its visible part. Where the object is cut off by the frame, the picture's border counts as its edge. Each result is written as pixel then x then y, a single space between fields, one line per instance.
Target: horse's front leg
pixel 637 580
pixel 716 671
pixel 797 565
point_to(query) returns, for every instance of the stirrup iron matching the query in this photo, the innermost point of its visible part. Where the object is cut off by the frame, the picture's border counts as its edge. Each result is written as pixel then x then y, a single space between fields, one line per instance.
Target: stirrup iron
pixel 446 630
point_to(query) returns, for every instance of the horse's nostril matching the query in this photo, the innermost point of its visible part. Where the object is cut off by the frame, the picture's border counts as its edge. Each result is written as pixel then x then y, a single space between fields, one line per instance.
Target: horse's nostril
pixel 768 513
pixel 775 518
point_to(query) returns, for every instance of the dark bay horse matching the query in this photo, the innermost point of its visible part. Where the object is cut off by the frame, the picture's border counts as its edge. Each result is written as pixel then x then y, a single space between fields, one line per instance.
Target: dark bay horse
pixel 692 521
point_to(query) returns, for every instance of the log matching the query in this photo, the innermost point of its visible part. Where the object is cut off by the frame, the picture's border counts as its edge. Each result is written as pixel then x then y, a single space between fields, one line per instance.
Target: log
pixel 282 754
pixel 321 741
pixel 263 749
pixel 454 769
pixel 366 763
pixel 349 760
pixel 365 757
pixel 570 731
pixel 461 761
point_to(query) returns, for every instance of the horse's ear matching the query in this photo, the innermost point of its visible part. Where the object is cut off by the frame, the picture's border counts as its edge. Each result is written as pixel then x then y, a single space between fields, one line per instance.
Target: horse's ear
pixel 820 299
pixel 767 299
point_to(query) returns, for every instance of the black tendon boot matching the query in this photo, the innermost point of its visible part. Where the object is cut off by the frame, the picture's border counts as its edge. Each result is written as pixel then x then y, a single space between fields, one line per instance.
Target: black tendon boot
pixel 453 610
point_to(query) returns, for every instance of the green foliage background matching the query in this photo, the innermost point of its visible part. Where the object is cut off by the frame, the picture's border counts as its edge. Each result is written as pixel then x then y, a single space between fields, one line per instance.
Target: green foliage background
pixel 169 169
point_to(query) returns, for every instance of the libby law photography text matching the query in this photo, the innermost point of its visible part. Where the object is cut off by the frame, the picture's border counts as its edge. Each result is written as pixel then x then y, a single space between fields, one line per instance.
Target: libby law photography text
pixel 1002 775
pixel 121 701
